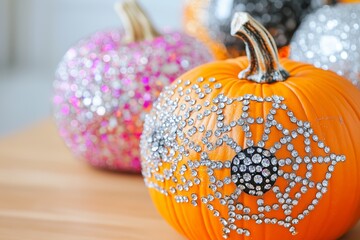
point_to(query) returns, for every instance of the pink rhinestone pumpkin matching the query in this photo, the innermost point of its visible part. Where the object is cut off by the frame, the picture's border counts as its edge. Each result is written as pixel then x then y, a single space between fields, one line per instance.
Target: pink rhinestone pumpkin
pixel 106 83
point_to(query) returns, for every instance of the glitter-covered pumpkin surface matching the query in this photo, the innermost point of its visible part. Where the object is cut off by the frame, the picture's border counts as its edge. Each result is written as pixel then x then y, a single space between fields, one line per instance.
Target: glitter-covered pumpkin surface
pixel 330 39
pixel 209 20
pixel 270 154
pixel 104 87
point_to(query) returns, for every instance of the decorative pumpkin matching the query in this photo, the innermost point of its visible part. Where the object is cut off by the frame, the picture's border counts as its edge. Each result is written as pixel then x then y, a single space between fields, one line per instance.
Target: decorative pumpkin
pixel 329 39
pixel 106 83
pixel 270 153
pixel 209 20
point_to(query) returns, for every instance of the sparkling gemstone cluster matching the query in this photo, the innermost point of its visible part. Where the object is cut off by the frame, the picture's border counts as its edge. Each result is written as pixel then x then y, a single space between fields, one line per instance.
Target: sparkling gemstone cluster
pixel 254 170
pixel 177 143
pixel 329 39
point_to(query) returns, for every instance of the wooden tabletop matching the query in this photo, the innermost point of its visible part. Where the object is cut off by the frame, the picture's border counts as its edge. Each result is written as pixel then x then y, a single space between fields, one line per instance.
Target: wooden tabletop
pixel 47 194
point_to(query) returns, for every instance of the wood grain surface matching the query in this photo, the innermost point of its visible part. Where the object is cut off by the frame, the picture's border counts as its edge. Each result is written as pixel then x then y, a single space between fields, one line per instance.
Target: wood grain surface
pixel 47 194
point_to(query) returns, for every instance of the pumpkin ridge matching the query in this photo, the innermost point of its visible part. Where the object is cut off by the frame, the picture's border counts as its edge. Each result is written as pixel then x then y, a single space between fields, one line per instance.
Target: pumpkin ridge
pixel 234 82
pixel 181 217
pixel 346 98
pixel 291 86
pixel 339 110
pixel 173 217
pixel 267 91
pixel 294 67
pixel 352 142
pixel 356 199
pixel 170 206
pixel 265 227
pixel 208 220
pixel 185 222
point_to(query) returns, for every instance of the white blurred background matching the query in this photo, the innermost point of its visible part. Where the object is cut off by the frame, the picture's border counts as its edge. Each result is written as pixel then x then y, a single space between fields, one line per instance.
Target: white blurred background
pixel 34 34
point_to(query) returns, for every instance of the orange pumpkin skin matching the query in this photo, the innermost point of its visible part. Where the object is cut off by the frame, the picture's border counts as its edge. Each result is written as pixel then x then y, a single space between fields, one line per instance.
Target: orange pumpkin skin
pixel 316 113
pixel 192 25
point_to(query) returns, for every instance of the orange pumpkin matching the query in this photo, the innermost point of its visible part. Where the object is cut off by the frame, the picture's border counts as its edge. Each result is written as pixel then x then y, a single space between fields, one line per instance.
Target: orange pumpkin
pixel 270 153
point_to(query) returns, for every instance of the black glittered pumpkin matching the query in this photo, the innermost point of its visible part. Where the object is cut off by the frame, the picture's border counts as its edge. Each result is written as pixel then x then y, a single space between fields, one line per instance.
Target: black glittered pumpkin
pixel 280 17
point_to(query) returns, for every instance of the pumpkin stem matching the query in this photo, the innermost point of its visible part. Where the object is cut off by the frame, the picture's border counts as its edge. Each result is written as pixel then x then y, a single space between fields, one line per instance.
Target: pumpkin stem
pixel 264 65
pixel 136 24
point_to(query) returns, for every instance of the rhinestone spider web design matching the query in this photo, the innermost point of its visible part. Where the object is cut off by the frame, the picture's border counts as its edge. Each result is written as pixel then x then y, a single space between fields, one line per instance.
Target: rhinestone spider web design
pixel 166 146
